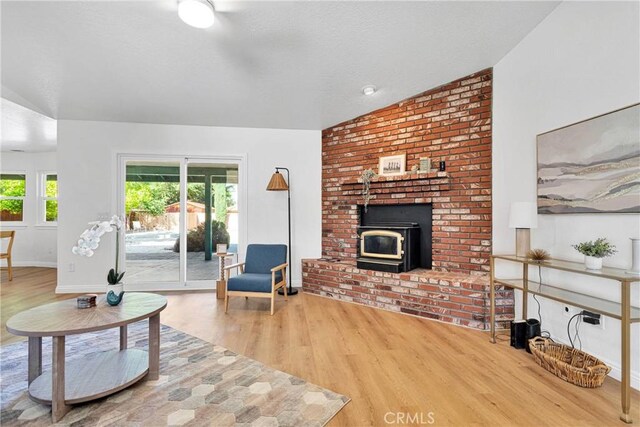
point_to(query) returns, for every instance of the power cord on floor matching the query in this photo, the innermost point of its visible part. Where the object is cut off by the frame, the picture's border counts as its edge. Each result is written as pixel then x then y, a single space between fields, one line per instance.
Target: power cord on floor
pixel 543 333
pixel 577 334
pixel 577 331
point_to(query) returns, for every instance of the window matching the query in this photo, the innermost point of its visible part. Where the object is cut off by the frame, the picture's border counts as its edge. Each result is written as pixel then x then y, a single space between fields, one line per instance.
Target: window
pixel 13 189
pixel 48 197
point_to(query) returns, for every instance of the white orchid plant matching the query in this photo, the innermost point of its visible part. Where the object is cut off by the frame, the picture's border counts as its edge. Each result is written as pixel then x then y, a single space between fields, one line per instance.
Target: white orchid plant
pixel 90 240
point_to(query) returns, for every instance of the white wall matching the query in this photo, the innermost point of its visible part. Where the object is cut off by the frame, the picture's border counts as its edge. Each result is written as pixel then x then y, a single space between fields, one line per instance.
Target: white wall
pixel 35 244
pixel 581 61
pixel 88 152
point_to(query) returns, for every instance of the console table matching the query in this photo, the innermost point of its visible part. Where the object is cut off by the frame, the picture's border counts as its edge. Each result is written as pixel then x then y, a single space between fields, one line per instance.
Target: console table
pixel 622 311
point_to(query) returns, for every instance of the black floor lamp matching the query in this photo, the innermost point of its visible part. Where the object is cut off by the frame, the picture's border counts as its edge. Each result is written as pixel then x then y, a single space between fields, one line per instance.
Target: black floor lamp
pixel 278 183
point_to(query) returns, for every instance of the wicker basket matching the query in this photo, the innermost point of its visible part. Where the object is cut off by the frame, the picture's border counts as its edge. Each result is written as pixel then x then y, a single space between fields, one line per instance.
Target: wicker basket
pixel 570 364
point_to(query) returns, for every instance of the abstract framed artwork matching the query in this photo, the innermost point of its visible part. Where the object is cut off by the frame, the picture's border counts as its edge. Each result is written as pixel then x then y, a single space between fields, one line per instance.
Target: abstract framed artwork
pixel 592 166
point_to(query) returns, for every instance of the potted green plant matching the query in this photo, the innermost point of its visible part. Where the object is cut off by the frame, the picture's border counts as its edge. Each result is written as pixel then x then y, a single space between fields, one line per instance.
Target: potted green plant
pixel 594 251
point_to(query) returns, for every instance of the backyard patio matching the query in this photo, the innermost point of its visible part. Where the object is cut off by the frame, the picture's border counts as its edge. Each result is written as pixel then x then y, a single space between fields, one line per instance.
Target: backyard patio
pixel 150 258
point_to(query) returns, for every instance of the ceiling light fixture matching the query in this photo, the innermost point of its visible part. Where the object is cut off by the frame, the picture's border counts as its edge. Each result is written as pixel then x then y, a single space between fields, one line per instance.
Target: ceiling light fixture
pixel 197 13
pixel 369 90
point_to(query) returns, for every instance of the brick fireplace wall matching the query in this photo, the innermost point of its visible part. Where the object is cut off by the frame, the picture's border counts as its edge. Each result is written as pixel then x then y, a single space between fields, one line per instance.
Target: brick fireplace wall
pixel 450 123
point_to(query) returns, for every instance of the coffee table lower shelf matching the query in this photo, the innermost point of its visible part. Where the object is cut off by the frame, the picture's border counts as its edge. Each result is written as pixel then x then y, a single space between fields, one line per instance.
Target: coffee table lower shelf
pixel 94 376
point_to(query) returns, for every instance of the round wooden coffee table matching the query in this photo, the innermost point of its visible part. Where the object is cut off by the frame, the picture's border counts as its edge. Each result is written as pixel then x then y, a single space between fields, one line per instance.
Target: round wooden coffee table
pixel 94 376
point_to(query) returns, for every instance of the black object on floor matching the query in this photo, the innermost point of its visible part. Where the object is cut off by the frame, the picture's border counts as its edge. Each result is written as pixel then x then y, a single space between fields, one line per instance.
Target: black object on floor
pixel 518 334
pixel 533 330
pixel 290 291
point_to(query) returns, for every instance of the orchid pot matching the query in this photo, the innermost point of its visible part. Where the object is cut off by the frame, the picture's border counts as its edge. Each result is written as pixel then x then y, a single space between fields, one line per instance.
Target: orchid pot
pixel 115 293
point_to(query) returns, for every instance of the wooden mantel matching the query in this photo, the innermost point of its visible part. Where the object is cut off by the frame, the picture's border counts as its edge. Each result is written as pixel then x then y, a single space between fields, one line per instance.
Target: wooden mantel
pixel 411 176
pixel 406 183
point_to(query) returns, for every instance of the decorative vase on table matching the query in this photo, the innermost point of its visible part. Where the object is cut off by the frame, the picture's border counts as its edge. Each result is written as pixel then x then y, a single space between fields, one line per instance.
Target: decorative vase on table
pixel 115 293
pixel 592 263
pixel 635 257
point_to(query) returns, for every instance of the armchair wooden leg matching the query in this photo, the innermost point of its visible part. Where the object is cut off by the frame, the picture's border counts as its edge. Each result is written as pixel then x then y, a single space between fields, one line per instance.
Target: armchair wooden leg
pixel 226 302
pixel 273 300
pixel 10 268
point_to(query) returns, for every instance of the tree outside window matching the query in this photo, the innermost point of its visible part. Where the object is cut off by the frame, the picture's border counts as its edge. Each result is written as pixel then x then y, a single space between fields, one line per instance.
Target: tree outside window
pixel 13 190
pixel 154 197
pixel 49 197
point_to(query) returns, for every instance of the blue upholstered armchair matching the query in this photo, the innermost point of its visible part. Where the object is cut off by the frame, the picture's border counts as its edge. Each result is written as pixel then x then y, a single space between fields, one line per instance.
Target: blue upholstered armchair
pixel 261 275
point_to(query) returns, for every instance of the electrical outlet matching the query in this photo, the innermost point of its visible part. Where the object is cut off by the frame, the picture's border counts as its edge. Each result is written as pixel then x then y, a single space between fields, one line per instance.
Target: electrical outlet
pixel 72 267
pixel 588 314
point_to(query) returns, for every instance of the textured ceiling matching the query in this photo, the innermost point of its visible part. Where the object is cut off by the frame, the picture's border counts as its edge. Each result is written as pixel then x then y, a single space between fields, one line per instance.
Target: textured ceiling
pixel 297 65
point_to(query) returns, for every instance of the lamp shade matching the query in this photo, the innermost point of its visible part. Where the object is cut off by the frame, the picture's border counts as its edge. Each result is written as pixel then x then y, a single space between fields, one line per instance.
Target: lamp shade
pixel 523 215
pixel 277 183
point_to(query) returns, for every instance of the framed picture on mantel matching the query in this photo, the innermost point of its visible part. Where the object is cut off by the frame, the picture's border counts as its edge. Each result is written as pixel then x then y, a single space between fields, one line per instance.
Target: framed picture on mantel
pixel 392 165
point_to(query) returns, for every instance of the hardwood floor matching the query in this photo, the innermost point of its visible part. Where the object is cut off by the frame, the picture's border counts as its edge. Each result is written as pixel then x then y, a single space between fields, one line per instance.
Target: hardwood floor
pixel 387 363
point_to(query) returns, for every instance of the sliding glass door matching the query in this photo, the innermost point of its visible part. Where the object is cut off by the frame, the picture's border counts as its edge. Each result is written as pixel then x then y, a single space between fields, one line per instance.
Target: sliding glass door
pixel 211 216
pixel 177 211
pixel 152 213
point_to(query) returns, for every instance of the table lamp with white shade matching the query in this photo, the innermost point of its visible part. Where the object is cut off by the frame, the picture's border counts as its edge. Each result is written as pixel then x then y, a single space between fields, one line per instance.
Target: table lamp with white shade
pixel 523 217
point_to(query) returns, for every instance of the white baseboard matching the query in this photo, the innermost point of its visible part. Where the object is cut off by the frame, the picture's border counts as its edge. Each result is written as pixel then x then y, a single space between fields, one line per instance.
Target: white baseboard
pixel 35 264
pixel 154 287
pixel 616 373
pixel 80 289
pixel 143 287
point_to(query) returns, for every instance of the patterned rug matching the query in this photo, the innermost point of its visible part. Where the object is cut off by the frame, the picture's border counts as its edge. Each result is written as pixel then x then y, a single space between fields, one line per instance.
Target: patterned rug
pixel 200 384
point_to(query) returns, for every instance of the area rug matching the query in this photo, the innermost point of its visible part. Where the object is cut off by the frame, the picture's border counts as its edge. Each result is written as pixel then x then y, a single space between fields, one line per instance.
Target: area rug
pixel 200 384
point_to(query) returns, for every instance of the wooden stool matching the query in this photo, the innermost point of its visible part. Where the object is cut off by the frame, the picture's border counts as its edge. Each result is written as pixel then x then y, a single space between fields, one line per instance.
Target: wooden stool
pixel 221 284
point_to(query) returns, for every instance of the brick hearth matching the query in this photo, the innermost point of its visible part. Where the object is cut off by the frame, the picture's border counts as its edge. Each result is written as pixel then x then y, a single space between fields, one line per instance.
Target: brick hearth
pixel 456 298
pixel 450 123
